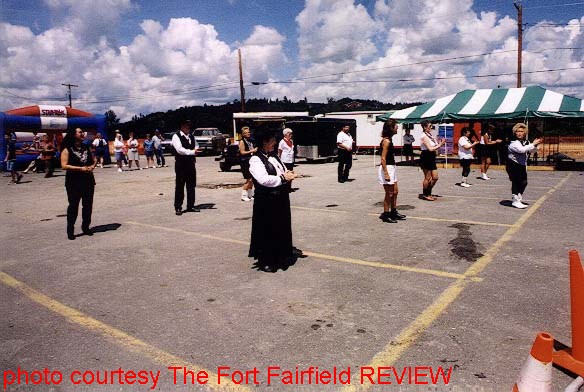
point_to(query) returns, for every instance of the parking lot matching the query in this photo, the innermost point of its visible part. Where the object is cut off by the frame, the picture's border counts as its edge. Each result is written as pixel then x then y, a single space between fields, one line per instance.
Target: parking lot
pixel 465 283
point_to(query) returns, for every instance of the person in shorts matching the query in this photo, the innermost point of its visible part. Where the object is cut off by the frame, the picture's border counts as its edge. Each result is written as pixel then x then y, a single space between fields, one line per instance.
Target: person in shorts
pixel 246 151
pixel 10 159
pixel 387 174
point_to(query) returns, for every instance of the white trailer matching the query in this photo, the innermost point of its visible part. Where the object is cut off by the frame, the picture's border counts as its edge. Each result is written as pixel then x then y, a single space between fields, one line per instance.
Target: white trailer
pixel 369 129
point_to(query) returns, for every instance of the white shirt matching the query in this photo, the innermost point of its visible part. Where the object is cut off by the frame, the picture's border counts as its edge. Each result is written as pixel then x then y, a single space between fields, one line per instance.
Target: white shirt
pixel 260 174
pixel 431 141
pixel 178 147
pixel 345 139
pixel 287 152
pixel 409 139
pixel 96 142
pixel 156 141
pixel 464 153
pixel 118 145
pixel 518 151
pixel 133 144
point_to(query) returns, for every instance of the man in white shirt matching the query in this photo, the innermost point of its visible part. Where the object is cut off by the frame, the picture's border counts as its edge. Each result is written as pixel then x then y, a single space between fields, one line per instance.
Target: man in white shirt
pixel 345 157
pixel 185 145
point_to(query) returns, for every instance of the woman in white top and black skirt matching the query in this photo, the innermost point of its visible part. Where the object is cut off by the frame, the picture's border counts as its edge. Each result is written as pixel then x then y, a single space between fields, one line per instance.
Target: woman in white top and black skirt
pixel 77 160
pixel 429 146
pixel 517 162
pixel 271 227
pixel 387 174
pixel 465 155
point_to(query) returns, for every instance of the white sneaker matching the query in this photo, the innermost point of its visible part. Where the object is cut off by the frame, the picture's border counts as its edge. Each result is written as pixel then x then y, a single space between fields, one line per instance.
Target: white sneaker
pixel 517 203
pixel 119 170
pixel 141 168
pixel 245 198
pixel 465 185
pixel 520 196
pixel 484 176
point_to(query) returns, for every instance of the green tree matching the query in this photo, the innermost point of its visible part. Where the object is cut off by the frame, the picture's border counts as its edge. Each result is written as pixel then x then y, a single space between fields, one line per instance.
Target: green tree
pixel 111 122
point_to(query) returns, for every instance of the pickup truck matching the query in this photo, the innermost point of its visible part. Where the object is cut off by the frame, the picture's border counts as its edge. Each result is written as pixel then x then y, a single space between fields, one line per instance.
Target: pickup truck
pixel 210 140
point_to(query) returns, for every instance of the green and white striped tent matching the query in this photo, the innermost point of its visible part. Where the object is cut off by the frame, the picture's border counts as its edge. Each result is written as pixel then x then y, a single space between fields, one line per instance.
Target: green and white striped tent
pixel 508 103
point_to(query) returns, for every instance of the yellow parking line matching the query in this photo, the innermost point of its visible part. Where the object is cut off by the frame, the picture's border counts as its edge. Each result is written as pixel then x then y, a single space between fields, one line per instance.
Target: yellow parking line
pixel 442 274
pixel 394 349
pixel 116 336
pixel 453 220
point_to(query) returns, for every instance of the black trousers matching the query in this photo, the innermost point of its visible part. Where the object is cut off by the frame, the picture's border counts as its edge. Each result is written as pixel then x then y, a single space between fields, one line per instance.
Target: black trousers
pixel 186 176
pixel 345 163
pixel 518 176
pixel 75 193
pixel 465 163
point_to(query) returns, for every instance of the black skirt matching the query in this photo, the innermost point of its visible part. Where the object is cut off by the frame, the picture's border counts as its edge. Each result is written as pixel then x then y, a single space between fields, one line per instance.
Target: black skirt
pixel 428 160
pixel 408 150
pixel 271 227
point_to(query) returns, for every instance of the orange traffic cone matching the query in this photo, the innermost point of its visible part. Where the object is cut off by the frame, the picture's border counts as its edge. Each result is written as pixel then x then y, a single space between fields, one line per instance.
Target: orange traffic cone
pixel 536 374
pixel 573 358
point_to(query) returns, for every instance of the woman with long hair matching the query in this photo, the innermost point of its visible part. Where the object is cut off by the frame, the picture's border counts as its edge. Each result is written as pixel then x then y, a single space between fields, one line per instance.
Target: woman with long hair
pixel 429 145
pixel 387 174
pixel 77 160
pixel 465 155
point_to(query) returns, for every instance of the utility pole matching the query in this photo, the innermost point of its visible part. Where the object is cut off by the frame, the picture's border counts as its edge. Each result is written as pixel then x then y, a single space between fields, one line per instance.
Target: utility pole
pixel 69 85
pixel 241 88
pixel 519 7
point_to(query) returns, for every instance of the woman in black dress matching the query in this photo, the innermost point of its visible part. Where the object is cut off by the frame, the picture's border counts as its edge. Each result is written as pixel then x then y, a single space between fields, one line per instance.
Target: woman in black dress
pixel 77 160
pixel 271 227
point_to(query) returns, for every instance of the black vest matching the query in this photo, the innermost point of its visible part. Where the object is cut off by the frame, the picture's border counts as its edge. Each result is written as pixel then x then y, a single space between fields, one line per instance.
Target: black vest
pixel 260 189
pixel 389 157
pixel 189 144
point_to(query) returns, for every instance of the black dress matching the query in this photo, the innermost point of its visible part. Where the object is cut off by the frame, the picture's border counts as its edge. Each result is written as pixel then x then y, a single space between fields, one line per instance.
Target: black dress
pixel 271 227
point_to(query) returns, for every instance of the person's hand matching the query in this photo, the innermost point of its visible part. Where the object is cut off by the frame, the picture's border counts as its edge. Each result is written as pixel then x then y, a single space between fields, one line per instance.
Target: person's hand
pixel 386 177
pixel 498 141
pixel 538 141
pixel 290 175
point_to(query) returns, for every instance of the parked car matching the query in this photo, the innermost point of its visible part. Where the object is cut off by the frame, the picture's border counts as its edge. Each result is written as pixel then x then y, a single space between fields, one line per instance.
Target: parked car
pixel 167 143
pixel 229 158
pixel 210 140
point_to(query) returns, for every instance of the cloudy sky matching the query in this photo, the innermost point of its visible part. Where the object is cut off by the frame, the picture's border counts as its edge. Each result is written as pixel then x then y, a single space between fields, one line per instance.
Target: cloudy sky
pixel 145 56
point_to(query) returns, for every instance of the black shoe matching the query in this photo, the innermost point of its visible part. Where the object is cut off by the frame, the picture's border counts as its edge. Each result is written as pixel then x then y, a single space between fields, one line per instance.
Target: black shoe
pixel 178 211
pixel 87 231
pixel 387 218
pixel 396 215
pixel 18 178
pixel 70 234
pixel 341 180
pixel 192 209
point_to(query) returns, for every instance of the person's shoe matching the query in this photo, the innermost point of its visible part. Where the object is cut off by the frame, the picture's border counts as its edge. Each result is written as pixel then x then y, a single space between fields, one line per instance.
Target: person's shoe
pixel 341 180
pixel 87 231
pixel 119 170
pixel 70 234
pixel 517 203
pixel 193 209
pixel 396 215
pixel 141 168
pixel 465 185
pixel 268 268
pixel 19 177
pixel 484 176
pixel 386 217
pixel 178 211
pixel 245 198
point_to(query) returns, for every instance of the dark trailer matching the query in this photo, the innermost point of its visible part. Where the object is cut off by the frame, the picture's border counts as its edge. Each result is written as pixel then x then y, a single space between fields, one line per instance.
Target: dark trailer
pixel 317 139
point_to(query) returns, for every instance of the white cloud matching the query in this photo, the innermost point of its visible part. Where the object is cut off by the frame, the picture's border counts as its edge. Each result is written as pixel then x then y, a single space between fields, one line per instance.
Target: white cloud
pixel 166 65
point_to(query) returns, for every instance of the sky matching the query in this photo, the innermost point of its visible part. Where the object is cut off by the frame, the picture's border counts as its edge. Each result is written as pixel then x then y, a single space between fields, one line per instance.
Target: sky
pixel 147 56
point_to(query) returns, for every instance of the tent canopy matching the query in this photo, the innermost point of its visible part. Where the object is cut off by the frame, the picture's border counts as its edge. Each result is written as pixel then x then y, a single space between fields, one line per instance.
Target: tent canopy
pixel 508 103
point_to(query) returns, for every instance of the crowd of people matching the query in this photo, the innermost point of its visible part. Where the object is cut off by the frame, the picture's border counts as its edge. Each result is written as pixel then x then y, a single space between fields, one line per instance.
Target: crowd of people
pixel 268 169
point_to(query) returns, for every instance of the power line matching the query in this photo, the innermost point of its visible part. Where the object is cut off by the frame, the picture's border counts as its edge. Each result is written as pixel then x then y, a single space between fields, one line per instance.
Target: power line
pixel 423 79
pixel 553 5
